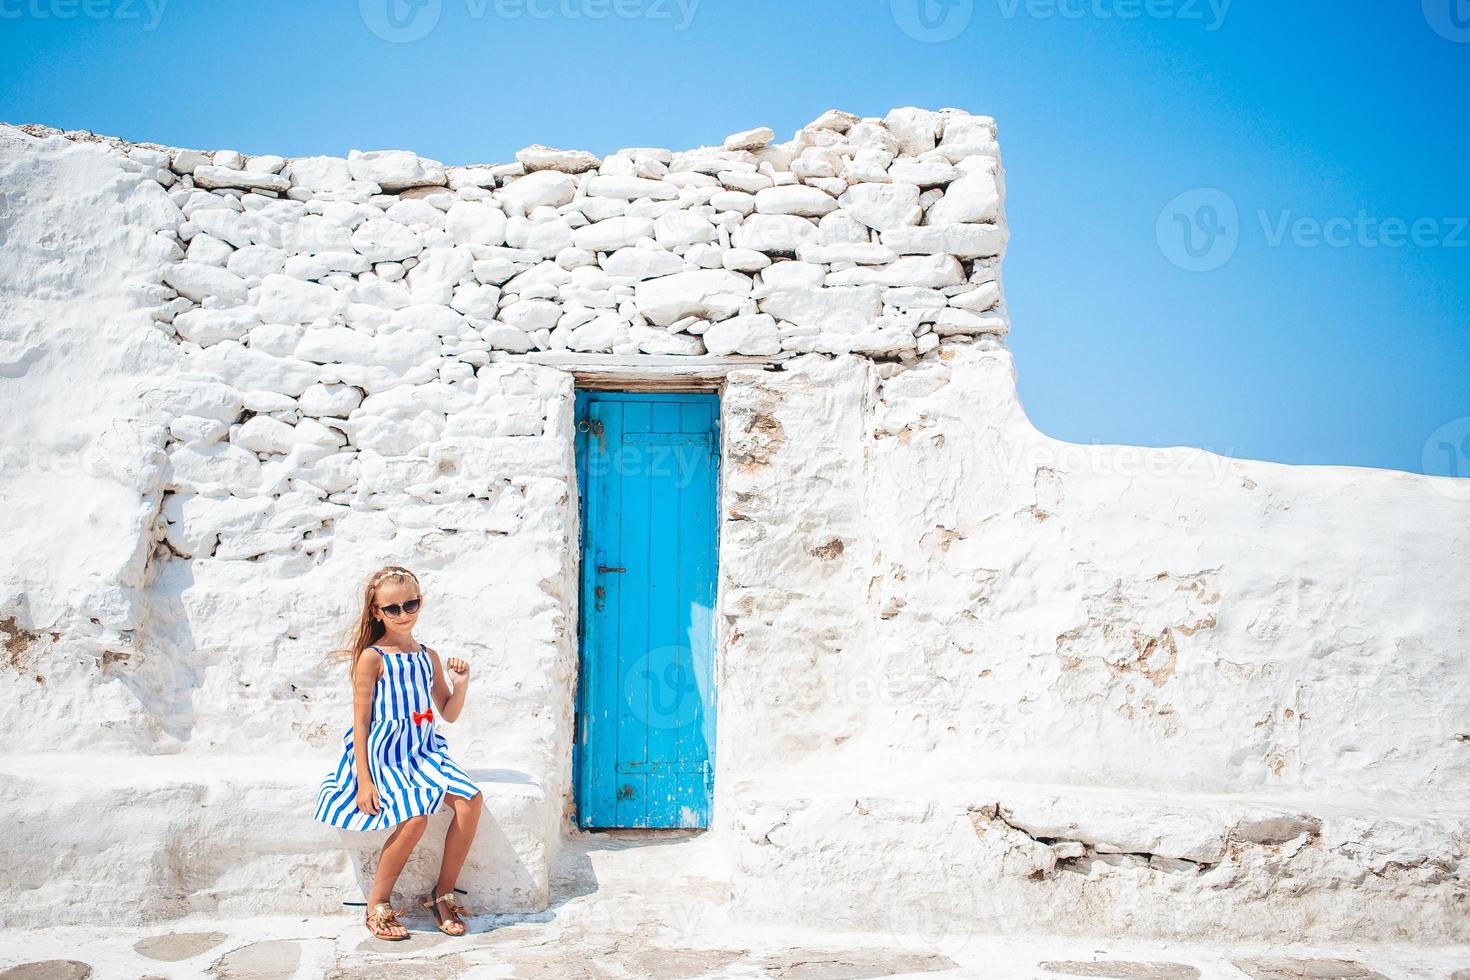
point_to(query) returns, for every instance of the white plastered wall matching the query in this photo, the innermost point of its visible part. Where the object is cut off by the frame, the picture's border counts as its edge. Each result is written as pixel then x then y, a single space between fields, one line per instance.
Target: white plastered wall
pixel 967 673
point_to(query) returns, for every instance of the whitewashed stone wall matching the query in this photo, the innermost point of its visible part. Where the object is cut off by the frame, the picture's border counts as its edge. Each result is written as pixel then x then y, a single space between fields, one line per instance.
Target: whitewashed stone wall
pixel 969 676
pixel 982 676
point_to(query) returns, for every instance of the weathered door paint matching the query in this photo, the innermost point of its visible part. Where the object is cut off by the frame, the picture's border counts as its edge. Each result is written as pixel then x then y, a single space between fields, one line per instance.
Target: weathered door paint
pixel 648 473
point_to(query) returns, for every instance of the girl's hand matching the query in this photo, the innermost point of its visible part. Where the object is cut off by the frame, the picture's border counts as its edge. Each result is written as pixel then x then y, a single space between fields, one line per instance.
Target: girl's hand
pixel 459 670
pixel 367 797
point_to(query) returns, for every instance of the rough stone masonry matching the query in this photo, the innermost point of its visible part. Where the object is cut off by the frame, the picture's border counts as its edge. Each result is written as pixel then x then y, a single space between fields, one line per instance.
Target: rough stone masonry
pixel 970 677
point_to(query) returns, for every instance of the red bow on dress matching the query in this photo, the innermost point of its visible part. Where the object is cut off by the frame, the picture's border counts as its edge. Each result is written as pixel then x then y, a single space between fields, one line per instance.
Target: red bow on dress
pixel 426 715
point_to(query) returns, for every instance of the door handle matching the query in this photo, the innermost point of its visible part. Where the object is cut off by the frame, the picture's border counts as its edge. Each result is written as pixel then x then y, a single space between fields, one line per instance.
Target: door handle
pixel 604 568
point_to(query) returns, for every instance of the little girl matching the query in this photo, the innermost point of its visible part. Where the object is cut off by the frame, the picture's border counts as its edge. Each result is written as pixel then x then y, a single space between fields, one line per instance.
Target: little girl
pixel 395 769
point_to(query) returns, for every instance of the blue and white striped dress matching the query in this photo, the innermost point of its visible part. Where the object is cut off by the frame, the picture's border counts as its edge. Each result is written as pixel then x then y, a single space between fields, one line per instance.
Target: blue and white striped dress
pixel 407 758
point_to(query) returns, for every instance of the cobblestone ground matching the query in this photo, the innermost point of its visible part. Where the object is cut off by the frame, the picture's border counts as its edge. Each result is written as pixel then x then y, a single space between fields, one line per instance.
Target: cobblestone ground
pixel 631 905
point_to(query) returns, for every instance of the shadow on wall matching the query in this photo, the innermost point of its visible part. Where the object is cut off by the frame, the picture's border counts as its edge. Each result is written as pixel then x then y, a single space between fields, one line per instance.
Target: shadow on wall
pixel 168 673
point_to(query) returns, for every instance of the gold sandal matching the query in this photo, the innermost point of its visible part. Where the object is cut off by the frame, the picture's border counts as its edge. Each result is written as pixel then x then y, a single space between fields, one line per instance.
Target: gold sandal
pixel 380 918
pixel 446 926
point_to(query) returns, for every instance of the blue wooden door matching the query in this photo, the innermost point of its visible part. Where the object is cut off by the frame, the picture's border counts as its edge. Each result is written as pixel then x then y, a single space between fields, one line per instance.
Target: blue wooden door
pixel 648 473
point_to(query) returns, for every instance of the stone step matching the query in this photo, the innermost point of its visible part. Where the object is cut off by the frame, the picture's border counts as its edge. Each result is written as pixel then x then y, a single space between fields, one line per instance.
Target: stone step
pixel 141 839
pixel 990 857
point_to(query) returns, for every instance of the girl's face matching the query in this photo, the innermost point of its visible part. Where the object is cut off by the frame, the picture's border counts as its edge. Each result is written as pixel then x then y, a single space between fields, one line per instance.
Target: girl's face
pixel 393 601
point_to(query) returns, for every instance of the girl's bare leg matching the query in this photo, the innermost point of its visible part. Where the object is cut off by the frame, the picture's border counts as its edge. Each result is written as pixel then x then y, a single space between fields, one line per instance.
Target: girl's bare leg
pixel 395 855
pixel 457 841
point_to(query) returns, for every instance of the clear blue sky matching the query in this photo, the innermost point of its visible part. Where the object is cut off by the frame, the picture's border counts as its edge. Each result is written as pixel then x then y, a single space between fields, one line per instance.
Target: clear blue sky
pixel 1292 350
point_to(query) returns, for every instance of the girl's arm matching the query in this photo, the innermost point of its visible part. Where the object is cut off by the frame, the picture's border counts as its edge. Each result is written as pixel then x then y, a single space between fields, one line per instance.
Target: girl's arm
pixel 450 700
pixel 364 684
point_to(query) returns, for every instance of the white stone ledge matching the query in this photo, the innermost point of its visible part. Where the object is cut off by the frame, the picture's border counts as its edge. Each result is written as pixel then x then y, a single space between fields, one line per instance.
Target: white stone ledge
pixel 138 839
pixel 591 369
pixel 991 856
pixel 915 784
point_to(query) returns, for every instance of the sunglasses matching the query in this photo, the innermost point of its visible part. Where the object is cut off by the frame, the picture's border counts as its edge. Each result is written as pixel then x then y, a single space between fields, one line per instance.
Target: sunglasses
pixel 406 609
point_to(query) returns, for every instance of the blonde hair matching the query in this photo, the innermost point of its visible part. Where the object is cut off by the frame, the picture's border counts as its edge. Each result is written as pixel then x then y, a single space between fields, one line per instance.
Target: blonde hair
pixel 368 630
